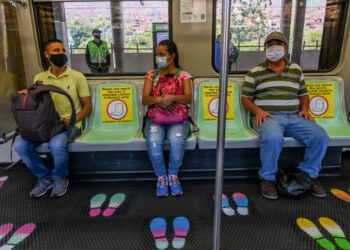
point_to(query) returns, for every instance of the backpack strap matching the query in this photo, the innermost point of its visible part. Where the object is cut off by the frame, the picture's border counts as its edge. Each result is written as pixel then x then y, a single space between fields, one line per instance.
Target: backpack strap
pixel 39 87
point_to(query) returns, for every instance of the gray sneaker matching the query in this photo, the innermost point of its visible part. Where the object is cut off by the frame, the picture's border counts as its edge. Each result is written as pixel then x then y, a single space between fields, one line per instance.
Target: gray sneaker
pixel 41 188
pixel 60 186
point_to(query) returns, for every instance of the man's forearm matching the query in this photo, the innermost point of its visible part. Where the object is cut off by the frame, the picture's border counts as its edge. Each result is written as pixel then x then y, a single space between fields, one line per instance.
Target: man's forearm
pixel 249 104
pixel 304 103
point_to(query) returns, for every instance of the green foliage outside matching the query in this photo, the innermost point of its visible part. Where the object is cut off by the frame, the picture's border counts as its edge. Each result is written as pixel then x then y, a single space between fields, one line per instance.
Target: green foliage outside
pixel 144 42
pixel 248 22
pixel 249 26
pixel 80 31
pixel 312 38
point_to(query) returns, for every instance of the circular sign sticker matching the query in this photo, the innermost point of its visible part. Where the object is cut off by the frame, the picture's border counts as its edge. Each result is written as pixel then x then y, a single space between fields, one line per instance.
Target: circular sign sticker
pixel 213 107
pixel 117 109
pixel 318 105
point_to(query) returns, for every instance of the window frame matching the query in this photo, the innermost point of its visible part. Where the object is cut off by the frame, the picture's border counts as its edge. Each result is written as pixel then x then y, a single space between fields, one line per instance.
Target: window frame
pixel 41 44
pixel 338 46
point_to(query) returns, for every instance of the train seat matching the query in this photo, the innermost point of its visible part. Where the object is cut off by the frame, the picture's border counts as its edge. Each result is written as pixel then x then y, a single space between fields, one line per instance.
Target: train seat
pixel 327 104
pixel 114 123
pixel 238 135
pixel 115 117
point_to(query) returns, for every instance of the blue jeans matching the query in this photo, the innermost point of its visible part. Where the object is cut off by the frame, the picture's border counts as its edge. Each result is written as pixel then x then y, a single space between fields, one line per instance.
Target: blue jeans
pixel 176 135
pixel 58 150
pixel 272 131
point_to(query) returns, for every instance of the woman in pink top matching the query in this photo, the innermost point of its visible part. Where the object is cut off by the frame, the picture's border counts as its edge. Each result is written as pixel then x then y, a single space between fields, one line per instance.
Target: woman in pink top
pixel 167 88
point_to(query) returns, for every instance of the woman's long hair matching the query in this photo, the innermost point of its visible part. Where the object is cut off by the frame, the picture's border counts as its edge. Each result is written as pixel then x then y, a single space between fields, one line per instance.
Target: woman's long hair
pixel 171 48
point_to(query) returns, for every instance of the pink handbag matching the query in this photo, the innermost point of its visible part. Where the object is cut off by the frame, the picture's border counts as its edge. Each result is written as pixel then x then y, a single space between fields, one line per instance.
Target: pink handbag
pixel 169 86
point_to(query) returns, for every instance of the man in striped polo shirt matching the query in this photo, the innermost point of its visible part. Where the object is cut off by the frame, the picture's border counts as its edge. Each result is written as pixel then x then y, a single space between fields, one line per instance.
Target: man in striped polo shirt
pixel 275 92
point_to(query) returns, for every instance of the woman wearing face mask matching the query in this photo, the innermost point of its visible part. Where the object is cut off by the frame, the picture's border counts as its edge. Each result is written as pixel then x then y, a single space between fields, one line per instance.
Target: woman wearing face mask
pixel 275 93
pixel 167 92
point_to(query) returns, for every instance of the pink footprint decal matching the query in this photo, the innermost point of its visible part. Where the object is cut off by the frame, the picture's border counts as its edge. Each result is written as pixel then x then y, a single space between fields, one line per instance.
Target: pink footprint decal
pixel 115 201
pixel 5 229
pixel 181 227
pixel 242 203
pixel 158 229
pixel 2 180
pixel 21 233
pixel 96 203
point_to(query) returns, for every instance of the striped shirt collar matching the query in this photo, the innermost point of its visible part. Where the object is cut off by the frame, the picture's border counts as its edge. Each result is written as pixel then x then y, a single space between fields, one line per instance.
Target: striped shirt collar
pixel 266 65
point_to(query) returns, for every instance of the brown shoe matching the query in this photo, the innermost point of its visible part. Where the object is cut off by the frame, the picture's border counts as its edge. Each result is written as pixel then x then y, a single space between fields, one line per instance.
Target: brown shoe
pixel 268 189
pixel 317 189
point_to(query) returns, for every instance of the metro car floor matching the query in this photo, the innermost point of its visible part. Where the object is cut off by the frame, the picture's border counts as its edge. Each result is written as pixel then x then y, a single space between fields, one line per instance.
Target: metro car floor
pixel 128 215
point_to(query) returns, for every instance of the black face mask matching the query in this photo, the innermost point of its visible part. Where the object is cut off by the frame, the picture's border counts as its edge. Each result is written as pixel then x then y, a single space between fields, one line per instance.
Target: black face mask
pixel 59 59
pixel 97 36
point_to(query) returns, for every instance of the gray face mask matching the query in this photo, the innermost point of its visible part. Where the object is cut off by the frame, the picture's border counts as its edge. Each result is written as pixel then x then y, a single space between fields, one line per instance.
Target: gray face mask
pixel 274 53
pixel 161 62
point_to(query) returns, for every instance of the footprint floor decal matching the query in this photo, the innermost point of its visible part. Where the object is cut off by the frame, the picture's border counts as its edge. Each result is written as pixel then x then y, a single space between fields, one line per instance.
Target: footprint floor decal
pixel 226 208
pixel 2 180
pixel 340 194
pixel 115 201
pixel 239 199
pixel 330 226
pixel 242 203
pixel 97 201
pixel 18 236
pixel 181 226
pixel 334 229
pixel 158 229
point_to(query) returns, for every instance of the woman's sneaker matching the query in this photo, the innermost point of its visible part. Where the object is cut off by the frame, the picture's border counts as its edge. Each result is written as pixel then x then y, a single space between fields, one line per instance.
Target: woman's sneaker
pixel 162 186
pixel 175 186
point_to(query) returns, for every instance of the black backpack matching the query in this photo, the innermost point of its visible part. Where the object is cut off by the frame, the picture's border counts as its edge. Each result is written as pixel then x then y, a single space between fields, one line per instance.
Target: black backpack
pixel 292 183
pixel 35 113
pixel 234 55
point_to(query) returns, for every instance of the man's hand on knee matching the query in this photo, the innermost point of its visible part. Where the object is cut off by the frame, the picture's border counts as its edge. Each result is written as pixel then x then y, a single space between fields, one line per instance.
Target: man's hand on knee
pixel 261 116
pixel 306 115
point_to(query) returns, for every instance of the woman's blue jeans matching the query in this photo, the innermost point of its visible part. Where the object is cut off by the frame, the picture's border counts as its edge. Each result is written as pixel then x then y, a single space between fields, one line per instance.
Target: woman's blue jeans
pixel 176 134
pixel 272 131
pixel 58 150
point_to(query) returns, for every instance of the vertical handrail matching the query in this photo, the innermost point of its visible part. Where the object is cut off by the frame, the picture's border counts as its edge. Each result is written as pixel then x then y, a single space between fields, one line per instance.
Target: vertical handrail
pixel 113 57
pixel 220 146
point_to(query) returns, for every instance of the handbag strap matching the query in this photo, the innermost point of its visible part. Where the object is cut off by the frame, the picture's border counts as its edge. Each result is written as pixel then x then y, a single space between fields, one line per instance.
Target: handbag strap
pixel 196 129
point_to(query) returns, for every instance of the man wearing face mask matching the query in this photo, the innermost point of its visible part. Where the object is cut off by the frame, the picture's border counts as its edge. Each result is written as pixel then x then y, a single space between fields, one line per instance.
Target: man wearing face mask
pixel 75 84
pixel 97 55
pixel 275 92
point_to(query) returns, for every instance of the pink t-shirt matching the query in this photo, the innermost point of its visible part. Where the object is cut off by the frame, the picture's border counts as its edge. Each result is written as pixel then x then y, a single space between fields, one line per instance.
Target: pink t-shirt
pixel 180 74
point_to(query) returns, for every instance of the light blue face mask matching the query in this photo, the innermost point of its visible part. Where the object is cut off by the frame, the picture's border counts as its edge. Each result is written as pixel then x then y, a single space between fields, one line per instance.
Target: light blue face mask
pixel 161 62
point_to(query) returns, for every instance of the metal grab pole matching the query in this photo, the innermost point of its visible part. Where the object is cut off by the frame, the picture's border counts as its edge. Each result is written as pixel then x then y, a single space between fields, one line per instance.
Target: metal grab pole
pixel 225 27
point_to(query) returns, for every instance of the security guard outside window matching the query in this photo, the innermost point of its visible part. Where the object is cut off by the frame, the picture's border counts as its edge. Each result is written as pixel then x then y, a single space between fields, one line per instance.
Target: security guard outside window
pixel 97 55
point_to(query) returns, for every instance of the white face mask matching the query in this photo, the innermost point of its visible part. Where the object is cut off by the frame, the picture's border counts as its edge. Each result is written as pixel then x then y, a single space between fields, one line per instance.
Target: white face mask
pixel 274 53
pixel 162 62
